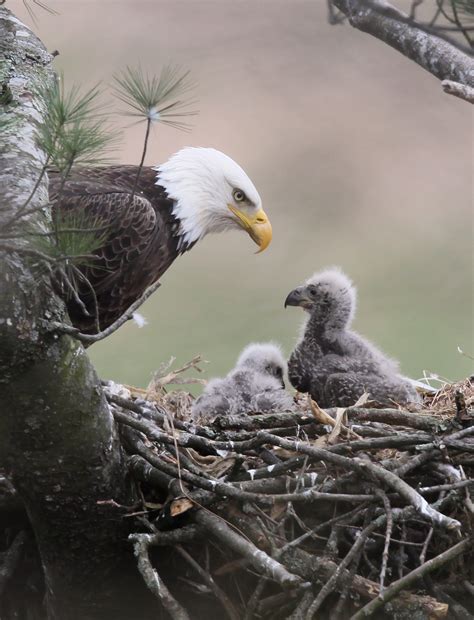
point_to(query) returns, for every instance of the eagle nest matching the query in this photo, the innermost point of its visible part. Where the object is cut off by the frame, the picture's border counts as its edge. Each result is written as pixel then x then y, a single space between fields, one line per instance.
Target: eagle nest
pixel 338 513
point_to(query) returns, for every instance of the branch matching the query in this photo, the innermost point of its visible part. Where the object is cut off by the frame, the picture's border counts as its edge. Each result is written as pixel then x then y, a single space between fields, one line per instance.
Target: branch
pixel 412 496
pixel 359 465
pixel 458 90
pixel 433 53
pixel 154 581
pixel 260 560
pixel 412 577
pixel 212 585
pixel 91 338
pixel 322 570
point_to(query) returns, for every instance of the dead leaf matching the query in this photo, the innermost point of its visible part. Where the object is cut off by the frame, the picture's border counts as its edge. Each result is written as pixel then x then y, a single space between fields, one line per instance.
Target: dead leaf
pixel 180 505
pixel 320 415
pixel 362 400
pixel 339 425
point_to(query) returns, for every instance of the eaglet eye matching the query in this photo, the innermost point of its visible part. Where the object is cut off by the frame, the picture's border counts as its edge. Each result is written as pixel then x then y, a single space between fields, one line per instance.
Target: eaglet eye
pixel 312 291
pixel 239 195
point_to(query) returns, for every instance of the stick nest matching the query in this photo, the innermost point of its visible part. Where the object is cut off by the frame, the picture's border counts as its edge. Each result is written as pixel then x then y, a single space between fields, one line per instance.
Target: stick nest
pixel 337 513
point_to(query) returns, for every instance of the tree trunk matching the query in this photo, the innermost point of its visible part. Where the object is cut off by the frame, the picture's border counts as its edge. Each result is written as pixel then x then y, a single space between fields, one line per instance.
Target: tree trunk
pixel 58 441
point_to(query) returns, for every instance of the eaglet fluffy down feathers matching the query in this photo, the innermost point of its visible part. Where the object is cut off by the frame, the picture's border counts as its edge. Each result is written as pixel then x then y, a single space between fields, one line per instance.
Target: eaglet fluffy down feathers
pixel 333 363
pixel 256 384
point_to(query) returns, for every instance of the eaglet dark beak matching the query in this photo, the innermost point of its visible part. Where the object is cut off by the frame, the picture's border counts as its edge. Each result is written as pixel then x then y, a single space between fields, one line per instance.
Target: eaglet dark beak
pixel 296 297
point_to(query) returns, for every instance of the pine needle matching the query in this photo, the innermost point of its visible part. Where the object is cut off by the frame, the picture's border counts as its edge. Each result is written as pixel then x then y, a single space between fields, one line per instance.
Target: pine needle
pixel 156 99
pixel 73 130
pixel 83 143
pixel 75 235
pixel 42 5
pixel 465 7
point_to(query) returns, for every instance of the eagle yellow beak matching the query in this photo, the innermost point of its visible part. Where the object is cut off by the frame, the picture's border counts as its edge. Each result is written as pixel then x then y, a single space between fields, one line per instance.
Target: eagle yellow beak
pixel 258 226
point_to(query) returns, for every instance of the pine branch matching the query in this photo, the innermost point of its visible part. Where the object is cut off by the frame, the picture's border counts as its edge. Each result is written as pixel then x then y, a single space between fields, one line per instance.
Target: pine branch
pixel 154 100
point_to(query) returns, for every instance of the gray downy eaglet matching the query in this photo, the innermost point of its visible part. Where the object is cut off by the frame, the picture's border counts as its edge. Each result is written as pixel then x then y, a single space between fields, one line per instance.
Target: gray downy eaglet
pixel 332 362
pixel 256 384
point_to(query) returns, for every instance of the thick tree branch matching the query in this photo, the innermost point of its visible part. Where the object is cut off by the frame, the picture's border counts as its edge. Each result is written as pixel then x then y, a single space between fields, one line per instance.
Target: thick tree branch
pixel 436 55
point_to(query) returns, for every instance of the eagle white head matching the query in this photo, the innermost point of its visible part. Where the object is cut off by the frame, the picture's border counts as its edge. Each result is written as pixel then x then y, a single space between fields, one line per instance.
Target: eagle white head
pixel 212 194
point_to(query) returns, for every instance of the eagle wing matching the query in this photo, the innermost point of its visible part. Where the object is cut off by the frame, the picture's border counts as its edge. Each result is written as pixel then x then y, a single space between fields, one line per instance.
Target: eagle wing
pixel 133 250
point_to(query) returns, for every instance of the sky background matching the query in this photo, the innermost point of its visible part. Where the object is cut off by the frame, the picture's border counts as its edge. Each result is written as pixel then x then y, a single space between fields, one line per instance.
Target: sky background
pixel 359 157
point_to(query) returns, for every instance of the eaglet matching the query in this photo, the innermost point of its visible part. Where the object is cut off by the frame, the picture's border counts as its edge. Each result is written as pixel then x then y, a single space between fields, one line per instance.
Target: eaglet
pixel 332 362
pixel 256 384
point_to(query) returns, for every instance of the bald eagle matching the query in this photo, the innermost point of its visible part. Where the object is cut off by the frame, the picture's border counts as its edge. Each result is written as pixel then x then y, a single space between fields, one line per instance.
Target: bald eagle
pixel 256 384
pixel 196 192
pixel 333 363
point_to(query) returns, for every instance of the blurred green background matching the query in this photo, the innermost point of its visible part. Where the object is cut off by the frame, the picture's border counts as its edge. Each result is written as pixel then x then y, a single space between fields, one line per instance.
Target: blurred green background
pixel 359 157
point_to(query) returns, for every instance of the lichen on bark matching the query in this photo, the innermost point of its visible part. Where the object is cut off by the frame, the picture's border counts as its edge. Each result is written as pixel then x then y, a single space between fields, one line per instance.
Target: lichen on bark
pixel 58 441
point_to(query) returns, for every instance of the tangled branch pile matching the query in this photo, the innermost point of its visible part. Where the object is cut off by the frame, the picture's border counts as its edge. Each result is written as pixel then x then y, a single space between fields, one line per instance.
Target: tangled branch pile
pixel 314 514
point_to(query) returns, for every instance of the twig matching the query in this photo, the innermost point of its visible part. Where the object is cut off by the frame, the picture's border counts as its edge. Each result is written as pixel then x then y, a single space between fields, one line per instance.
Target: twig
pixel 91 338
pixel 255 598
pixel 447 487
pixel 422 422
pixel 153 580
pixel 207 578
pixel 260 560
pixel 142 470
pixel 87 282
pixel 432 451
pixel 412 577
pixel 22 211
pixel 378 472
pixel 412 496
pixel 185 534
pixel 348 578
pixel 388 534
pixel 338 571
pixel 72 289
pixel 301 611
pixel 172 376
pixel 303 562
pixel 469 587
pixel 457 610
pixel 414 5
pixel 331 583
pixel 425 546
pixel 142 160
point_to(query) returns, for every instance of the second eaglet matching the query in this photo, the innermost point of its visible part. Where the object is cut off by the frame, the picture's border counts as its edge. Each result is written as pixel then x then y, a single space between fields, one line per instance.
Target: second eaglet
pixel 256 384
pixel 332 362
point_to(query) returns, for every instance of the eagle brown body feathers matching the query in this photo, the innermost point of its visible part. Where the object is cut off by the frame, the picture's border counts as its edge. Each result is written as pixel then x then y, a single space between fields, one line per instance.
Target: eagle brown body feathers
pixel 139 238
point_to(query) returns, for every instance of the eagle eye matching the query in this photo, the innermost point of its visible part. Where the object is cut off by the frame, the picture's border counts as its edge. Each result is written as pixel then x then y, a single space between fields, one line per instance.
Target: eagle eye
pixel 239 195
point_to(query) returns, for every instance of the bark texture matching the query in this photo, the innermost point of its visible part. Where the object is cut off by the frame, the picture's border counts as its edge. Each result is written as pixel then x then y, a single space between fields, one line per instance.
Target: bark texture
pixel 58 442
pixel 432 53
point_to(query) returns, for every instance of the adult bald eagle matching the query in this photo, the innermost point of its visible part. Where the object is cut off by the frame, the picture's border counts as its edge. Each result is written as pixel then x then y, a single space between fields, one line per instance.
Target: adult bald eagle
pixel 196 192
